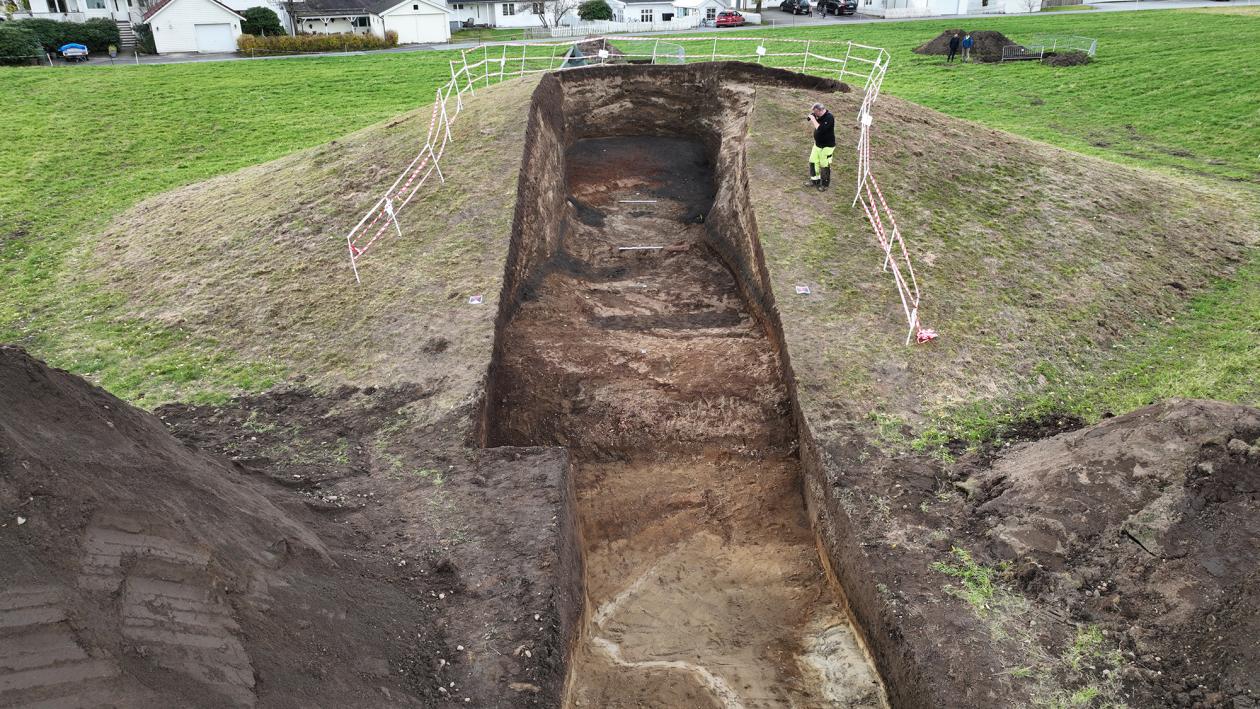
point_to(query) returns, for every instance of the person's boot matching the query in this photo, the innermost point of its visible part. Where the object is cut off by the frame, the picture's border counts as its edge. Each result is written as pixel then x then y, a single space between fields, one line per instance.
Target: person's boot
pixel 814 177
pixel 825 182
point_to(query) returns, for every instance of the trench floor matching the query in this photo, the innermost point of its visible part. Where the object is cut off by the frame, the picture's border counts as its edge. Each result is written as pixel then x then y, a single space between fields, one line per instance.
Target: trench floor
pixel 703 581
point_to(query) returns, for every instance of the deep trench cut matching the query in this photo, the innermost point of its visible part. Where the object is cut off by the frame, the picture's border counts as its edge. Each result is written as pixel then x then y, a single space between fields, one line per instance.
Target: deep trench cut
pixel 655 367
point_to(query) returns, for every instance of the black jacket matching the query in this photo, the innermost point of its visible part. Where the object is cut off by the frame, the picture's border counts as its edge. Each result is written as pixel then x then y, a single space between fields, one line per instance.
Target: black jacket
pixel 825 133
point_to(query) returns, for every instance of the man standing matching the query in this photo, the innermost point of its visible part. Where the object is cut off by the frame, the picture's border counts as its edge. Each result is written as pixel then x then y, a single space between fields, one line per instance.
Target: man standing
pixel 824 145
pixel 967 43
pixel 954 41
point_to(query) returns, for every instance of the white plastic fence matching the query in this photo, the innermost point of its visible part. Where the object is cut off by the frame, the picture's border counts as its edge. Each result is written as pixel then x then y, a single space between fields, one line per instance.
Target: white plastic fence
pixel 860 65
pixel 1070 43
pixel 606 27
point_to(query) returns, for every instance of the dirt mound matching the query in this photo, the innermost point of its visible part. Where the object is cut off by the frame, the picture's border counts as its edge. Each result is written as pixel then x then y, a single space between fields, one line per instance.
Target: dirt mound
pixel 1067 58
pixel 136 571
pixel 988 44
pixel 1119 561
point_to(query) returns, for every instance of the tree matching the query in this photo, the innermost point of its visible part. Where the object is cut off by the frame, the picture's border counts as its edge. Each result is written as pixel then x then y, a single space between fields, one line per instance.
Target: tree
pixel 261 21
pixel 595 10
pixel 551 12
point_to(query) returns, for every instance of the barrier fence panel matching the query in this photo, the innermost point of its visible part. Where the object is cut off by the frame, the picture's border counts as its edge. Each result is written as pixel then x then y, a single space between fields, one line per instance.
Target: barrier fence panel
pixel 861 65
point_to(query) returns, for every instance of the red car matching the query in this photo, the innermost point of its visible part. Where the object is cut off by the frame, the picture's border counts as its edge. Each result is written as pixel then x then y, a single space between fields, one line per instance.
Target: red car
pixel 729 18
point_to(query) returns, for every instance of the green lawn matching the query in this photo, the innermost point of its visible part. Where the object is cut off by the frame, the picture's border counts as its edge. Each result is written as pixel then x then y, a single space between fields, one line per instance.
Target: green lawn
pixel 486 34
pixel 83 144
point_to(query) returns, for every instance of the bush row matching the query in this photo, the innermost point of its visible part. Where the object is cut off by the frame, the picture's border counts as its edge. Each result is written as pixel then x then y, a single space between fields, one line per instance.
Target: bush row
pixel 96 35
pixel 286 44
pixel 18 45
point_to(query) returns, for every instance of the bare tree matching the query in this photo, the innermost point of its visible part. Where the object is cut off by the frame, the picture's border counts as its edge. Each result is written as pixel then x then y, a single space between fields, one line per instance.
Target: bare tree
pixel 552 12
pixel 1031 5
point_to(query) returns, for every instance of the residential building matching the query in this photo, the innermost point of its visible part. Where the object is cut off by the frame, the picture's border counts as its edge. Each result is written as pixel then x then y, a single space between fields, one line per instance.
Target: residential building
pixel 415 21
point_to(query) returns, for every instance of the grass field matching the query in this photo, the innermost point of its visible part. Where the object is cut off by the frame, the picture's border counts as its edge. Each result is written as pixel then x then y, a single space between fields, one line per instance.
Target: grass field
pixel 85 143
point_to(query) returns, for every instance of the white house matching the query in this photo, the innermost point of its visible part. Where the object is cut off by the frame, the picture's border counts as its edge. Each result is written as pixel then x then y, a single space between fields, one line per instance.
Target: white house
pixel 124 13
pixel 706 9
pixel 129 11
pixel 506 14
pixel 415 21
pixel 185 26
pixel 938 8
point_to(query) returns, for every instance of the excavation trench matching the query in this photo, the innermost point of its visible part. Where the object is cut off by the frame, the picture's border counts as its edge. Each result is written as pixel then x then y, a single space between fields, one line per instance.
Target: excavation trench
pixel 636 329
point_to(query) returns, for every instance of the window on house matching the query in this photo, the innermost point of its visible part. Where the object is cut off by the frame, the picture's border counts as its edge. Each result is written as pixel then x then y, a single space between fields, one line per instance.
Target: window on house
pixel 362 22
pixel 458 6
pixel 509 8
pixel 710 13
pixel 539 9
pixel 645 15
pixel 96 4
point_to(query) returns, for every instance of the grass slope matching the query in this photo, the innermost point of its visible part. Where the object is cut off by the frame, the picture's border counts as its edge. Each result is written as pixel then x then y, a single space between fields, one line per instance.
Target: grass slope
pixel 1059 282
pixel 86 143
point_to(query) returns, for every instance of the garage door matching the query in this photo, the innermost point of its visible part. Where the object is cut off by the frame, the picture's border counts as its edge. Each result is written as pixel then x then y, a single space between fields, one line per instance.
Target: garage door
pixel 412 29
pixel 215 38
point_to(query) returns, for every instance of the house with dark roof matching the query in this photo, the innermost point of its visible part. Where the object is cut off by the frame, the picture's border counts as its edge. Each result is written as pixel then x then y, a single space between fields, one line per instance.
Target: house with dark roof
pixel 415 21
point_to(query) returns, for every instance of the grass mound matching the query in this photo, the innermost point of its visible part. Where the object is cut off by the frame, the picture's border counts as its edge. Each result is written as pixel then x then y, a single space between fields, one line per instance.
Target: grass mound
pixel 1038 264
pixel 988 44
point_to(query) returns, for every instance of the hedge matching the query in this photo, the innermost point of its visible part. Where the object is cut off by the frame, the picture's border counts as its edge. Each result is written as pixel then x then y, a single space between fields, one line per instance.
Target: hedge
pixel 296 44
pixel 96 35
pixel 19 45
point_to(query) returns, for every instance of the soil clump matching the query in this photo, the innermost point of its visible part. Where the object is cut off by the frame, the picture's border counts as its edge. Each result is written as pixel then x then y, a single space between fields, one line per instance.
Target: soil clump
pixel 1067 58
pixel 1123 557
pixel 322 555
pixel 987 48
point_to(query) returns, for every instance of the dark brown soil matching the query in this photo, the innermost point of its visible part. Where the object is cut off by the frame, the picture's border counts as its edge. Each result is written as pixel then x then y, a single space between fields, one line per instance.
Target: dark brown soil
pixel 703 579
pixel 1133 549
pixel 1067 59
pixel 329 561
pixel 988 44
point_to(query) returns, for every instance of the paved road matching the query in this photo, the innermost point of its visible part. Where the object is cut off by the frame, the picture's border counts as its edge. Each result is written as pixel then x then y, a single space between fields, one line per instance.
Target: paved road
pixel 774 20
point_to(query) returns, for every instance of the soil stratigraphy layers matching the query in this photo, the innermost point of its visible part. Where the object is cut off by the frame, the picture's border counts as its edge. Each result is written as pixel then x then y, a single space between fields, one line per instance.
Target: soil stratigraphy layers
pixel 704 584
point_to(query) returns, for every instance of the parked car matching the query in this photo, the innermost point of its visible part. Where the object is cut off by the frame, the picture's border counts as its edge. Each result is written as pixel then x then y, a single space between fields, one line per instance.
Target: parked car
pixel 796 7
pixel 839 7
pixel 73 52
pixel 730 18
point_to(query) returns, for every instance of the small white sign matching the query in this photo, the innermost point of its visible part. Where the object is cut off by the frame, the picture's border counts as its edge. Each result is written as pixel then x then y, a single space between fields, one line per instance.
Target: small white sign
pixel 474 300
pixel 802 290
pixel 603 54
pixel 761 51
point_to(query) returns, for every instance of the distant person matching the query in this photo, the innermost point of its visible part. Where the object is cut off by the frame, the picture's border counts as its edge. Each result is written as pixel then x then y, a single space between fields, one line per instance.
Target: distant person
pixel 954 42
pixel 824 145
pixel 967 44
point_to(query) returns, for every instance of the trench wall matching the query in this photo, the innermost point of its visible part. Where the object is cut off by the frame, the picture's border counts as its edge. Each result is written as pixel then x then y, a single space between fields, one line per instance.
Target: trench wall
pixel 711 103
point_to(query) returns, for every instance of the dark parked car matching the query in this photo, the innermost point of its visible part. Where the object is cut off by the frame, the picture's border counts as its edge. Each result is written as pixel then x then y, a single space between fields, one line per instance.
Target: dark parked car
pixel 839 7
pixel 796 7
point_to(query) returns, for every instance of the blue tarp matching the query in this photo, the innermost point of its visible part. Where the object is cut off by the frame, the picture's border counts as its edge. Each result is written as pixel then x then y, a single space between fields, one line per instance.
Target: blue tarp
pixel 72 45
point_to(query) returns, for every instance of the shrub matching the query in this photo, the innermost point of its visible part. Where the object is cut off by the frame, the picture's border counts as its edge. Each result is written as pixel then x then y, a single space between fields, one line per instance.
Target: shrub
pixel 595 10
pixel 262 21
pixel 144 38
pixel 18 45
pixel 296 44
pixel 96 34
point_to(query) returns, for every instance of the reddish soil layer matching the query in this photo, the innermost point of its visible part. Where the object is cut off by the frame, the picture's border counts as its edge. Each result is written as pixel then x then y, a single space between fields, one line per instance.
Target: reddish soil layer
pixel 332 564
